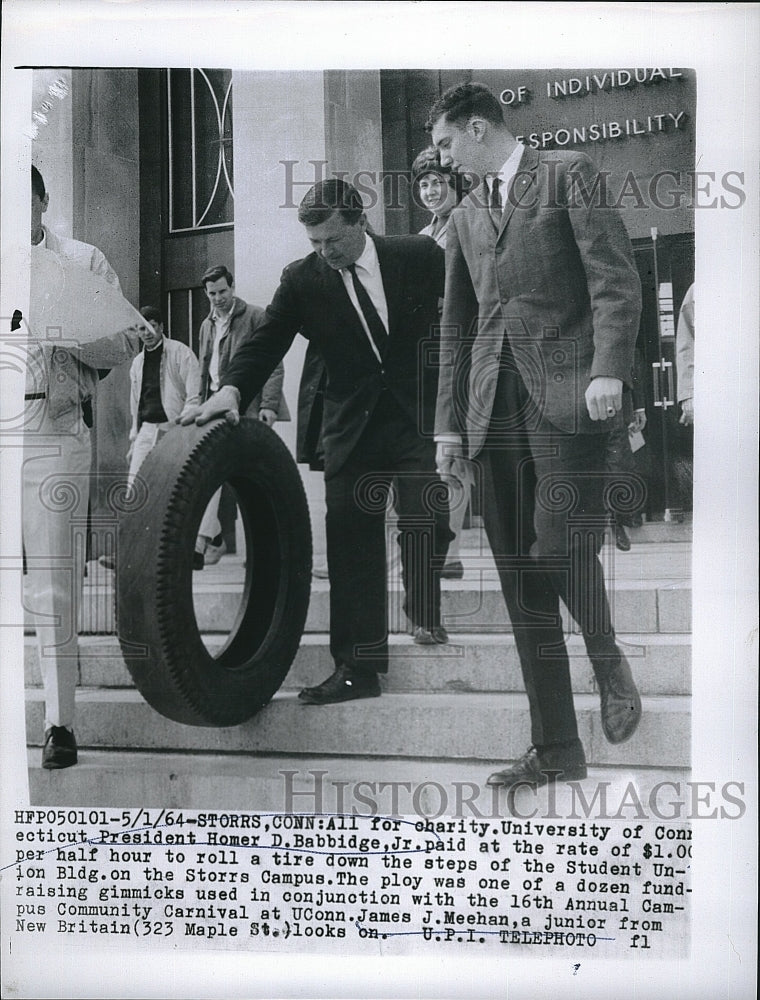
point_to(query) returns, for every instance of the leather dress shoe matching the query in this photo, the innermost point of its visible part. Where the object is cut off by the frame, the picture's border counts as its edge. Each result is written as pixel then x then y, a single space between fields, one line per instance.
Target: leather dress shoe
pixel 621 703
pixel 59 749
pixel 543 767
pixel 622 541
pixel 453 570
pixel 343 685
pixel 437 635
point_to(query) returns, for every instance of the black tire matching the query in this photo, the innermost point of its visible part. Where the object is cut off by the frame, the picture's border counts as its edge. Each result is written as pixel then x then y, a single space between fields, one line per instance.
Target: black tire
pixel 158 633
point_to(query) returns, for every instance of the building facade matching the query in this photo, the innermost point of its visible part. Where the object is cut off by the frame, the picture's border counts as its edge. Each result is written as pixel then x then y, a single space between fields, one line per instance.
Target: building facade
pixel 169 171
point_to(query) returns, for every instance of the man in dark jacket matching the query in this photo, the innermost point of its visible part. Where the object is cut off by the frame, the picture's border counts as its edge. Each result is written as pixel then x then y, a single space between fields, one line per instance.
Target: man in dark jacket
pixel 366 304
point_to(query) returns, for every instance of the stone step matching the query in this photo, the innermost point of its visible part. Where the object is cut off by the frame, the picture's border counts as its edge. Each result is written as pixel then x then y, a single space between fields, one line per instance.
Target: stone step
pixel 661 663
pixel 648 587
pixel 479 726
pixel 670 561
pixel 672 531
pixel 475 605
pixel 662 605
pixel 246 782
pixel 663 531
pixel 478 606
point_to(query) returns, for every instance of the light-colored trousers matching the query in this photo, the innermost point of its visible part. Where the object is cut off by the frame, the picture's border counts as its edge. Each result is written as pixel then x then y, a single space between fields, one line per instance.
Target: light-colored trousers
pixel 210 524
pixel 56 486
pixel 146 440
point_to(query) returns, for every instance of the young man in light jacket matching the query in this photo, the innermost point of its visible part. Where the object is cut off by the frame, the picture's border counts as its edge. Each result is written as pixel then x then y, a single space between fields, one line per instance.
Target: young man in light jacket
pixel 164 378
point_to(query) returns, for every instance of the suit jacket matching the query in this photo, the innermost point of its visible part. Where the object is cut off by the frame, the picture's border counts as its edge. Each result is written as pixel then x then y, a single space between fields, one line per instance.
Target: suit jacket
pixel 310 448
pixel 243 323
pixel 312 299
pixel 558 277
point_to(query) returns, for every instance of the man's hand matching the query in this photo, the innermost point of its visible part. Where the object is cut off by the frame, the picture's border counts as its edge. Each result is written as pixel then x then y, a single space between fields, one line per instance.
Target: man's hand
pixel 687 412
pixel 639 421
pixel 604 397
pixel 267 416
pixel 225 403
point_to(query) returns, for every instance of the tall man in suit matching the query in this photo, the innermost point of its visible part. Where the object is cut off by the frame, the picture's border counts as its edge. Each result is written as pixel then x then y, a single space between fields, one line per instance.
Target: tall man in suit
pixel 366 304
pixel 542 302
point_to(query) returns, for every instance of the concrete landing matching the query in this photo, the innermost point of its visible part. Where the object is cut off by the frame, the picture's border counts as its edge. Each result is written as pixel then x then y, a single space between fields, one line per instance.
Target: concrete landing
pixel 129 779
pixel 486 726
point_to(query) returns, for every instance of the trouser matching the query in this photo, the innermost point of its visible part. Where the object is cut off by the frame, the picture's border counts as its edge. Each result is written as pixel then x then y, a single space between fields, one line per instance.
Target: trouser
pixel 210 525
pixel 56 484
pixel 625 492
pixel 544 515
pixel 459 499
pixel 389 455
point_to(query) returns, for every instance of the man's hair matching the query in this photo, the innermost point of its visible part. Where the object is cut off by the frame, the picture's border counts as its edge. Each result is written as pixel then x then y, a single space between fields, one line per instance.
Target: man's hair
pixel 38 185
pixel 429 162
pixel 327 197
pixel 151 314
pixel 217 272
pixel 460 103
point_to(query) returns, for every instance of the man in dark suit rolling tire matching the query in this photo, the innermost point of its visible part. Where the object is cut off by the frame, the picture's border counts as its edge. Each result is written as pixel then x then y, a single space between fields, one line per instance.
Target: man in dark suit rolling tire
pixel 365 303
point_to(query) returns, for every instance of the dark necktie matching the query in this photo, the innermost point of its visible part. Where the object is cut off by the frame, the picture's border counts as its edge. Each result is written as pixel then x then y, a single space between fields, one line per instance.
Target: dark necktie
pixel 377 330
pixel 494 206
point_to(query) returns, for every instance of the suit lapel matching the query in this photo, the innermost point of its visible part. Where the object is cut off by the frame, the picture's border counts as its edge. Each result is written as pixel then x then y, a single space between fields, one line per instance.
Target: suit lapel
pixel 519 187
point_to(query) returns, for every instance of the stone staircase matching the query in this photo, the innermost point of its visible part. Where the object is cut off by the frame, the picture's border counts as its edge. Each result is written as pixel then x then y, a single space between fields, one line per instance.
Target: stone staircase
pixel 447 711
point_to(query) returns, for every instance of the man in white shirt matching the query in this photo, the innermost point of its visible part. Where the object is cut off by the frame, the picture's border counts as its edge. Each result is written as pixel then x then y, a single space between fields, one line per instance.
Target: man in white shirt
pixel 61 383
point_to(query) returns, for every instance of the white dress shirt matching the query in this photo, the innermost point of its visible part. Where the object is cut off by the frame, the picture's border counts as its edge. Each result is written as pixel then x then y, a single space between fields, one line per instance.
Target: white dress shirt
pixel 506 174
pixel 221 328
pixel 368 272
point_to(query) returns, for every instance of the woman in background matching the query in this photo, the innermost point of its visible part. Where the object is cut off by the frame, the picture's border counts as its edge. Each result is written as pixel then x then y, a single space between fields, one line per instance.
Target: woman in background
pixel 440 191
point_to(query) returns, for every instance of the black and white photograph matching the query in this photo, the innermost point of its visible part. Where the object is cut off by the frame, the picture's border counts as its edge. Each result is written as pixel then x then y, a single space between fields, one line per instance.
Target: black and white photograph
pixel 379 534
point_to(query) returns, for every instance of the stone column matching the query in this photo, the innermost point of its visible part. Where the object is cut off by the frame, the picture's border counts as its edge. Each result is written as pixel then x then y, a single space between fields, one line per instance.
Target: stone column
pixel 105 167
pixel 279 127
